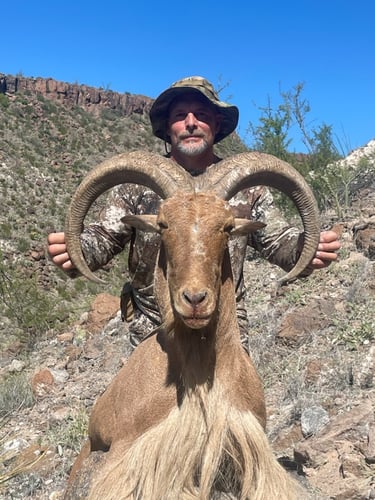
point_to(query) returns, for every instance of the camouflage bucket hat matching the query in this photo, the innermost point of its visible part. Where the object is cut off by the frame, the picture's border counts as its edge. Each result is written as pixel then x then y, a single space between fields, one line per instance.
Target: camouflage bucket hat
pixel 193 84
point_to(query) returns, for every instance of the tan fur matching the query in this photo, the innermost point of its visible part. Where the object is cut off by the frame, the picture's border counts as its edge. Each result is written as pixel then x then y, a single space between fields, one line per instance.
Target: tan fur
pixel 199 436
pixel 185 416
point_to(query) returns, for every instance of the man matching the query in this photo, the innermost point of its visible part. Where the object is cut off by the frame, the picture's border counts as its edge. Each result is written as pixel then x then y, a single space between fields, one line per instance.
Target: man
pixel 190 117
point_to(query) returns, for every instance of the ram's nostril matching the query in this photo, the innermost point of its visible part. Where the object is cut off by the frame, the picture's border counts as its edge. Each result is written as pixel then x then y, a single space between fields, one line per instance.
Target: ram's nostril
pixel 194 298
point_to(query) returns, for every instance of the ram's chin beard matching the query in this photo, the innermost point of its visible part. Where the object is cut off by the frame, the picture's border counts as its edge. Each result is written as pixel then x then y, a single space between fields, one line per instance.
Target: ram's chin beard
pixel 192 148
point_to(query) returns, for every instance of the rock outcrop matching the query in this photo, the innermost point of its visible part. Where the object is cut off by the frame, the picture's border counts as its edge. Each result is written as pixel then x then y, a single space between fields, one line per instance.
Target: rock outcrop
pixel 73 94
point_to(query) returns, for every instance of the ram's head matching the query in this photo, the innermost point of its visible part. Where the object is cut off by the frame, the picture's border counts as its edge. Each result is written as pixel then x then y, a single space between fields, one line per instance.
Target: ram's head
pixel 224 179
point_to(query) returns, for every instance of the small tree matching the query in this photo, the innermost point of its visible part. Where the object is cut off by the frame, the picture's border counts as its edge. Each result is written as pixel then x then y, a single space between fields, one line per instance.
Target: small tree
pixel 273 135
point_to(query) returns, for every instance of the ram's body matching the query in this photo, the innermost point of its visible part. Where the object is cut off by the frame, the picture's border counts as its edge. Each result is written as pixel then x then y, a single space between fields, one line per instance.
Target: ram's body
pixel 185 416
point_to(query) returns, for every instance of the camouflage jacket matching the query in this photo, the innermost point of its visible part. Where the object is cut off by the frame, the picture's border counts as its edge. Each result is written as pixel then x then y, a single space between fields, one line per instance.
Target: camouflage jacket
pixel 277 242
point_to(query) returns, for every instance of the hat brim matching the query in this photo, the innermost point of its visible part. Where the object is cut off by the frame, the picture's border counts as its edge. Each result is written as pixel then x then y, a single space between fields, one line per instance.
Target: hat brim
pixel 160 110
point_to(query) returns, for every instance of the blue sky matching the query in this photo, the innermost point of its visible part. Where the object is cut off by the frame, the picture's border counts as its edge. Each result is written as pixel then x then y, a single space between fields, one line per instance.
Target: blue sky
pixel 256 47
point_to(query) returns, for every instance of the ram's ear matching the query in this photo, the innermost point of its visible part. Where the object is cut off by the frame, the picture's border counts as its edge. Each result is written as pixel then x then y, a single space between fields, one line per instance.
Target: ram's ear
pixel 245 226
pixel 143 222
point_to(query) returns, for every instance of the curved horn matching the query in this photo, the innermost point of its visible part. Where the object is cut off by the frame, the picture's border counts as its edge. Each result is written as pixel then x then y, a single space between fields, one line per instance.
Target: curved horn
pixel 245 170
pixel 154 171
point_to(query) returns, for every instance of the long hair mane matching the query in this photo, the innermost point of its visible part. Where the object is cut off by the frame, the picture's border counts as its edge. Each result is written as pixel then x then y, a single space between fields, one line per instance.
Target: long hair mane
pixel 202 447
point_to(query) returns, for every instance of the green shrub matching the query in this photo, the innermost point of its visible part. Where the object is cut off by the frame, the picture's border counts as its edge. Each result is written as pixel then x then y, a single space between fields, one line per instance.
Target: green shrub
pixel 4 101
pixel 15 394
pixel 30 308
pixel 69 433
pixel 5 230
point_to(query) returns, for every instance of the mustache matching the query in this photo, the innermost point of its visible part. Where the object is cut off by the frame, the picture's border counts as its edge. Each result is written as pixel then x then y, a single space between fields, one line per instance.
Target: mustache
pixel 186 135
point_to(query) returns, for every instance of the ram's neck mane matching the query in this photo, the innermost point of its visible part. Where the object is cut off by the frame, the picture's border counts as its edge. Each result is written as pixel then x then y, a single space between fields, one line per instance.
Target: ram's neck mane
pixel 205 444
pixel 193 354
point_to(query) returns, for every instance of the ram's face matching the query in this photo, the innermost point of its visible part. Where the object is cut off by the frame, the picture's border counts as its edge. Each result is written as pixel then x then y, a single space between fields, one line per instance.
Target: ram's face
pixel 194 230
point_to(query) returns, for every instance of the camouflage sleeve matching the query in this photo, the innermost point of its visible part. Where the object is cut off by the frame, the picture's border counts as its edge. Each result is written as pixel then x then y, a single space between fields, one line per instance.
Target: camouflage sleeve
pixel 102 240
pixel 278 242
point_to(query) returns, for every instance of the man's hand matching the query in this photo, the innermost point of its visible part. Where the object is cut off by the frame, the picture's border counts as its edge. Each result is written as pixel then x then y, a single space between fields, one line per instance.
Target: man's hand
pixel 326 253
pixel 57 251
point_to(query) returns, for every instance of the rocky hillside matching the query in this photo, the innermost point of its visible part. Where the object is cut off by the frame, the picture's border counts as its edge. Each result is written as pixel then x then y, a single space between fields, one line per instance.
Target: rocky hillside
pixel 62 340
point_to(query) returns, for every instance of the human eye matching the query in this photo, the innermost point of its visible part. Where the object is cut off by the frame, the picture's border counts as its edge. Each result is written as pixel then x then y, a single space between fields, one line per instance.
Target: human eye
pixel 178 115
pixel 202 115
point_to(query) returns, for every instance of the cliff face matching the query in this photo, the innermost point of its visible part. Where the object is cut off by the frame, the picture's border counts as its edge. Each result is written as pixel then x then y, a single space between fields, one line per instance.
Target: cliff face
pixel 72 94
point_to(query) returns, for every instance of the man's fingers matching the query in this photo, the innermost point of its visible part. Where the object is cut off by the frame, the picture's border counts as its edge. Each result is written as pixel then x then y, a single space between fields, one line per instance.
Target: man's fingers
pixel 60 258
pixel 326 256
pixel 329 247
pixel 67 265
pixel 57 249
pixel 53 238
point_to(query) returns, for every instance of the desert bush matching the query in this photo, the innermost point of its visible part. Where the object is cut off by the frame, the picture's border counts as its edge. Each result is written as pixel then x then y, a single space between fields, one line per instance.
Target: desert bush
pixel 5 230
pixel 15 394
pixel 339 181
pixel 356 330
pixel 69 433
pixel 29 308
pixel 4 101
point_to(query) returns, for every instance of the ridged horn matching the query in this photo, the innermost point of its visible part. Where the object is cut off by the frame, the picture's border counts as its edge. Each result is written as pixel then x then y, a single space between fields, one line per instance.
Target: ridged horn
pixel 245 170
pixel 158 173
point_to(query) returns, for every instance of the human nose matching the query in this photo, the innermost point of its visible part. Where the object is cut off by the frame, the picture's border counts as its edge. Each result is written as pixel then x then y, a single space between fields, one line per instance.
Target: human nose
pixel 190 120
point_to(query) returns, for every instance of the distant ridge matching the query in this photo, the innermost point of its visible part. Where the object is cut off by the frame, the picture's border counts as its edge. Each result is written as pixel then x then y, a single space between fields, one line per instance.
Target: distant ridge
pixel 73 94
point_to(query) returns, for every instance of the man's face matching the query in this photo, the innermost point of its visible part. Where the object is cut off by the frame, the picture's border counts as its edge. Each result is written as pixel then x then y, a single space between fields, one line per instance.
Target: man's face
pixel 192 125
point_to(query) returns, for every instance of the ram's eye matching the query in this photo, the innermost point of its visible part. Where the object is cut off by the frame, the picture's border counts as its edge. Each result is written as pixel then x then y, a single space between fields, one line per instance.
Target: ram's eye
pixel 162 225
pixel 228 228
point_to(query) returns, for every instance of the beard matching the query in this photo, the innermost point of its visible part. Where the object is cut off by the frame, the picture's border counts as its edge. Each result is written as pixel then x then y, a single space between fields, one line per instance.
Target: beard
pixel 192 148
